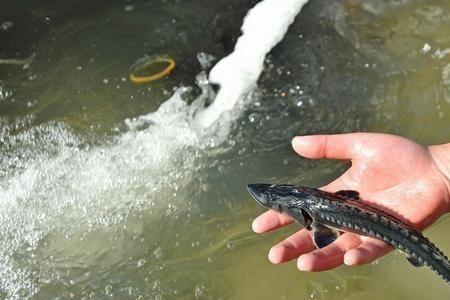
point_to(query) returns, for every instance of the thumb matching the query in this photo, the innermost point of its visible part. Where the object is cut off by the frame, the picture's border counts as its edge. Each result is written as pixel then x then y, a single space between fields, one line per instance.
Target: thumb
pixel 336 146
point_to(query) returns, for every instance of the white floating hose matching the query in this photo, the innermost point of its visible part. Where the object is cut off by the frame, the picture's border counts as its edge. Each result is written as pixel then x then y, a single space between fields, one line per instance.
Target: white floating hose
pixel 264 26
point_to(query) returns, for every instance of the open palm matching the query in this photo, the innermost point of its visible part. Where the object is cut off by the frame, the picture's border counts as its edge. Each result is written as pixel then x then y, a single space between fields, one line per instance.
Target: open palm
pixel 391 173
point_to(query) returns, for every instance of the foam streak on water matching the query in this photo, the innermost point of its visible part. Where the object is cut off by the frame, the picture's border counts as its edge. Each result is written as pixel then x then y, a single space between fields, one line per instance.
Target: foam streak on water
pixel 264 26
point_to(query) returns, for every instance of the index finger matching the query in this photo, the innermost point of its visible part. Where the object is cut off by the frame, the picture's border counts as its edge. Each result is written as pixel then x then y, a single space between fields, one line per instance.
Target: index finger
pixel 270 220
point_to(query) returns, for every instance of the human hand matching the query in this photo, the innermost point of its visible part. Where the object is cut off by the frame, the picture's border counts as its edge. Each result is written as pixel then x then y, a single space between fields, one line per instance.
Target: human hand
pixel 391 173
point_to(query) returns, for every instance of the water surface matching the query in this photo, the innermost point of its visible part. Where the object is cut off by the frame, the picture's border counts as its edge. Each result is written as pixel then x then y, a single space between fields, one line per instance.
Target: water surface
pixel 91 209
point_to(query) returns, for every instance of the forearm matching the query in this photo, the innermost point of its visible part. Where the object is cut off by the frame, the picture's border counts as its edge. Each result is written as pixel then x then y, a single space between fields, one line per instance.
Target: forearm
pixel 441 158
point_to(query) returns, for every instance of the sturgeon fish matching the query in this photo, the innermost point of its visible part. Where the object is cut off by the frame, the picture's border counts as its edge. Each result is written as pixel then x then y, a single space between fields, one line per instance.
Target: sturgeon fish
pixel 327 214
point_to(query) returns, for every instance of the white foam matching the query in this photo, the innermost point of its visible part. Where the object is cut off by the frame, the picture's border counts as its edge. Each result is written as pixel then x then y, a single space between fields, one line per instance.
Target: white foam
pixel 264 26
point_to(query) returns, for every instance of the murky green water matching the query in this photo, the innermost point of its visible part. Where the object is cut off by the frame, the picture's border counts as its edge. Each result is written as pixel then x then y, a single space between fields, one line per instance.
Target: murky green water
pixel 90 209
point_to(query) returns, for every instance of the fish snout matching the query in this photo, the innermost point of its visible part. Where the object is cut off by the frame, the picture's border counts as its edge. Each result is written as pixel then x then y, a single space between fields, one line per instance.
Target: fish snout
pixel 259 193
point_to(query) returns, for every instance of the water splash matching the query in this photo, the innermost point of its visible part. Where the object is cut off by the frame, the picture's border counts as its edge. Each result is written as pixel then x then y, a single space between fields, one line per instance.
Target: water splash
pixel 264 26
pixel 51 180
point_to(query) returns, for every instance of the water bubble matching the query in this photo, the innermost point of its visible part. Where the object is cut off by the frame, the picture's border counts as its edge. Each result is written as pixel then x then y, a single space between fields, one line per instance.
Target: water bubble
pixel 314 294
pixel 426 48
pixel 108 290
pixel 242 151
pixel 231 245
pixel 129 8
pixel 31 103
pixel 199 290
pixel 4 93
pixel 156 285
pixel 171 209
pixel 6 25
pixel 140 263
pixel 252 117
pixel 158 253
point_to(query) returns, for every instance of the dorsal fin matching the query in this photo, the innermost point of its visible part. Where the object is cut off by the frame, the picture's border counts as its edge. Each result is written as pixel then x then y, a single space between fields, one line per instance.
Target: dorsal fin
pixel 354 195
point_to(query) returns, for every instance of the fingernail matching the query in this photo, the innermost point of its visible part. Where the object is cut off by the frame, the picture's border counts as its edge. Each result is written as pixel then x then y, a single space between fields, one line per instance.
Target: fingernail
pixel 296 140
pixel 272 255
pixel 348 261
pixel 301 264
pixel 255 226
pixel 299 141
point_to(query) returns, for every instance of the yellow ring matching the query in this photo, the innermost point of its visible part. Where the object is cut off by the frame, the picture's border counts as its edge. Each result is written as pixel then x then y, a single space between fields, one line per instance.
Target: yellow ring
pixel 159 75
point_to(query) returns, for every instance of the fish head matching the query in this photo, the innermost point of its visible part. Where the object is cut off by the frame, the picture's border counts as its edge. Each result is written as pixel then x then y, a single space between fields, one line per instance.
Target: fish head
pixel 283 198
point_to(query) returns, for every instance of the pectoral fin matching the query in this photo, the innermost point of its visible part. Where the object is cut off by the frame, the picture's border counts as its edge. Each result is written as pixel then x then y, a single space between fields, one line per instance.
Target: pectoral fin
pixel 323 235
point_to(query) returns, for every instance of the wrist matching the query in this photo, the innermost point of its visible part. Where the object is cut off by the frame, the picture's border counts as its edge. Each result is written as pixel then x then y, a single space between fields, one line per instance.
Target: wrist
pixel 441 158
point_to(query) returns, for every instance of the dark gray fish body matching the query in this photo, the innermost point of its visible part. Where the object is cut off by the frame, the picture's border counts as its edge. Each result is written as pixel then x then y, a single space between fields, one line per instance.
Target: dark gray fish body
pixel 328 213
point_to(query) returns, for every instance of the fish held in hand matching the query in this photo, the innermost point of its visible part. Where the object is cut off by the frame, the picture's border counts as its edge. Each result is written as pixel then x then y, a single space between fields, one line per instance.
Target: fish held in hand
pixel 328 214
